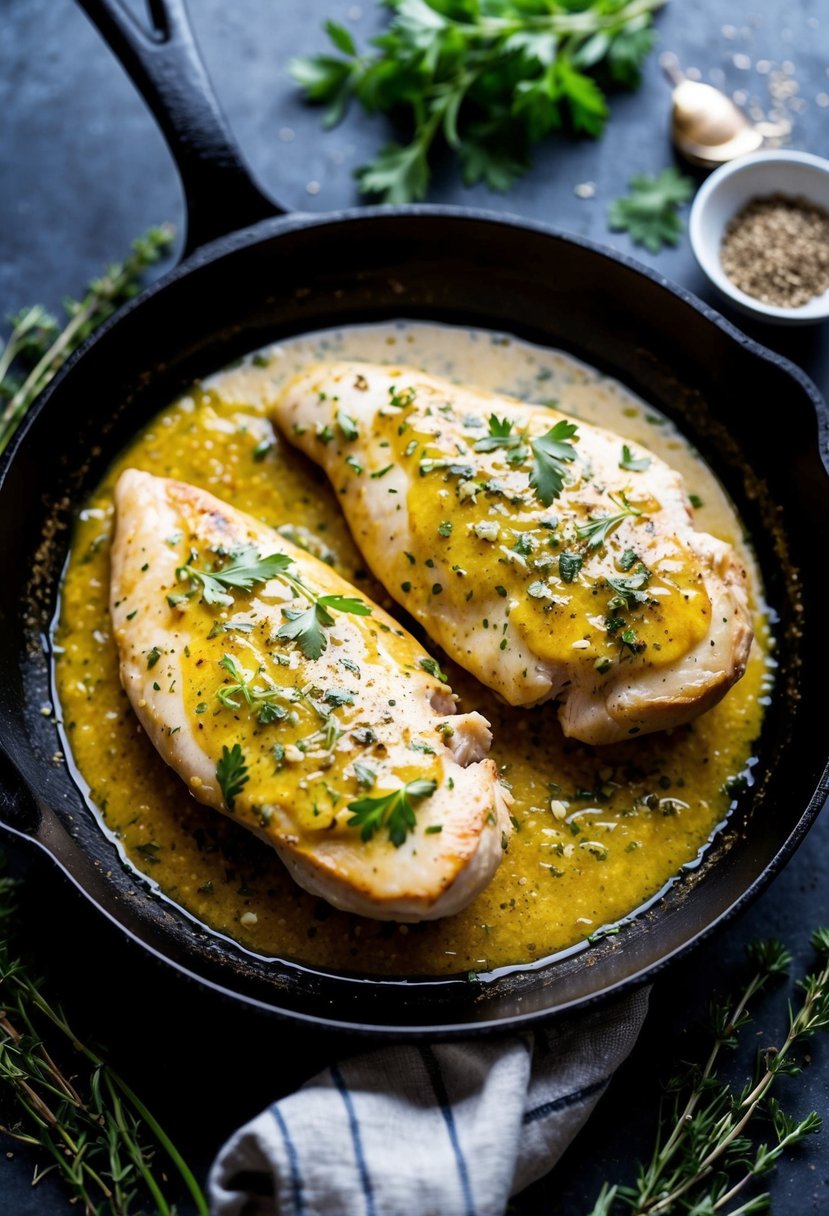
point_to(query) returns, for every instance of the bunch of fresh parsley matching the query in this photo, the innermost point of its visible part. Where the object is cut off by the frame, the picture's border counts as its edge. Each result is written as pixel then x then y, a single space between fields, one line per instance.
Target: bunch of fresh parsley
pixel 487 78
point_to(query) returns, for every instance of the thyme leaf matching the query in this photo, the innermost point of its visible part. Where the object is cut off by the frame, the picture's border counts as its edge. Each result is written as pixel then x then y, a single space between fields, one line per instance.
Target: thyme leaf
pixel 596 531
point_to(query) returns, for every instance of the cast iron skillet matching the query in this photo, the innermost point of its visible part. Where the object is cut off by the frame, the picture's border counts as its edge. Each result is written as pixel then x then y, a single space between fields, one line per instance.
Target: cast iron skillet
pixel 252 274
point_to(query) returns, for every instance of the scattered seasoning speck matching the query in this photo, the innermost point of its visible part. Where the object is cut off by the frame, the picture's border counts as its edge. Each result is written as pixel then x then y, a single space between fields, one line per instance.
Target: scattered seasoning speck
pixel 777 250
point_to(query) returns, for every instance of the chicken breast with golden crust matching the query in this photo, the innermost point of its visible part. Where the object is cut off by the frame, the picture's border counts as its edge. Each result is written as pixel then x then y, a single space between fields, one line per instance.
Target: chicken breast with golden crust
pixel 548 557
pixel 304 712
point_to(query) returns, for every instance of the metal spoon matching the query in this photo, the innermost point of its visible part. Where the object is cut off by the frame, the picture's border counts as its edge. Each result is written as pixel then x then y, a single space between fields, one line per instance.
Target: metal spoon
pixel 707 128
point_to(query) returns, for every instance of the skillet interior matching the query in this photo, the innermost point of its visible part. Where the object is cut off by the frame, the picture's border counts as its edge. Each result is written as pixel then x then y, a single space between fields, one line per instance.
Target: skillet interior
pixel 755 419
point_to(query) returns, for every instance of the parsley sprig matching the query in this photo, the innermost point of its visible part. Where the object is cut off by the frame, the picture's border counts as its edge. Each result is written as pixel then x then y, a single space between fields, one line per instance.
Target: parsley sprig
pixel 502 434
pixel 394 811
pixel 306 626
pixel 232 774
pixel 650 213
pixel 596 531
pixel 631 463
pixel 245 569
pixel 487 80
pixel 550 452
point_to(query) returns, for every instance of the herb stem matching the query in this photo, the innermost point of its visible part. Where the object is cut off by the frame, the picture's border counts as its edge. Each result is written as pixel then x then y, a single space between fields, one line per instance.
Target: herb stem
pixel 584 23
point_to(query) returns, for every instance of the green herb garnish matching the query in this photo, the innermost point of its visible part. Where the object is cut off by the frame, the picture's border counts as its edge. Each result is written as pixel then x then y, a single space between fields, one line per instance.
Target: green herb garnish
pixel 366 777
pixel 434 669
pixel 347 425
pixel 232 774
pixel 265 699
pixel 394 811
pixel 650 213
pixel 569 565
pixel 38 345
pixel 715 1138
pixel 633 464
pixel 487 80
pixel 502 435
pixel 244 570
pixel 596 531
pixel 550 452
pixel 631 589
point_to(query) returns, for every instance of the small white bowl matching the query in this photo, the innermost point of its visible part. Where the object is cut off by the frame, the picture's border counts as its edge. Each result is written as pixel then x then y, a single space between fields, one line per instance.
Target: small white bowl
pixel 727 191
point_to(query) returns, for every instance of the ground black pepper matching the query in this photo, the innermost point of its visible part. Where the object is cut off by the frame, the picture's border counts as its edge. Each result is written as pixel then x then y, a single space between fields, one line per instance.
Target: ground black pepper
pixel 777 250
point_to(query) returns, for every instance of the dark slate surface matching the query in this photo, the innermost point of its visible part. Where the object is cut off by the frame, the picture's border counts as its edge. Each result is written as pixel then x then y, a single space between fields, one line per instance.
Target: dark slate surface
pixel 83 171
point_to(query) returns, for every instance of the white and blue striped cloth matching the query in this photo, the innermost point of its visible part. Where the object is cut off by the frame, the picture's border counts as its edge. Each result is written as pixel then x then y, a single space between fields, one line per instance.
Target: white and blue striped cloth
pixel 429 1129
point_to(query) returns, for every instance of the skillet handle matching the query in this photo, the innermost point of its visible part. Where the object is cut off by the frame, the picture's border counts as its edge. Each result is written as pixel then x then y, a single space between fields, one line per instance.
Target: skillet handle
pixel 164 64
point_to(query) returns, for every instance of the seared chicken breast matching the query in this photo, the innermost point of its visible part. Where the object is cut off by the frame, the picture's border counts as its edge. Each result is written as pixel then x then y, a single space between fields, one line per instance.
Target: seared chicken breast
pixel 547 556
pixel 286 700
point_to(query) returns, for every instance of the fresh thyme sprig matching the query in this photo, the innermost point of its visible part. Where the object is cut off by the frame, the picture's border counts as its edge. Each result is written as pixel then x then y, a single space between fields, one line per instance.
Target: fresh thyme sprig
pixel 265 699
pixel 596 531
pixel 706 1152
pixel 38 345
pixel 97 1134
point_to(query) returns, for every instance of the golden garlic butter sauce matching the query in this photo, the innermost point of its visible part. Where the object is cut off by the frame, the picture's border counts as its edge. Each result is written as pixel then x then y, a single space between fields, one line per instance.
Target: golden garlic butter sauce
pixel 599 831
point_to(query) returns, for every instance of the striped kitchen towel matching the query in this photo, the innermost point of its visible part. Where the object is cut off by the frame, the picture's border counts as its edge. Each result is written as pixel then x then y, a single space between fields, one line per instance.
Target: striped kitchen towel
pixel 426 1129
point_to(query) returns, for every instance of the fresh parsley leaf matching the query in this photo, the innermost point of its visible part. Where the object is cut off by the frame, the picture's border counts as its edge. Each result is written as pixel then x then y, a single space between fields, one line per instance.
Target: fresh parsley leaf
pixel 632 589
pixel 502 435
pixel 244 570
pixel 232 774
pixel 338 697
pixel 153 657
pixel 394 811
pixel 366 776
pixel 434 669
pixel 550 451
pixel 305 627
pixel 650 213
pixel 347 425
pixel 631 463
pixel 344 603
pixel 569 565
